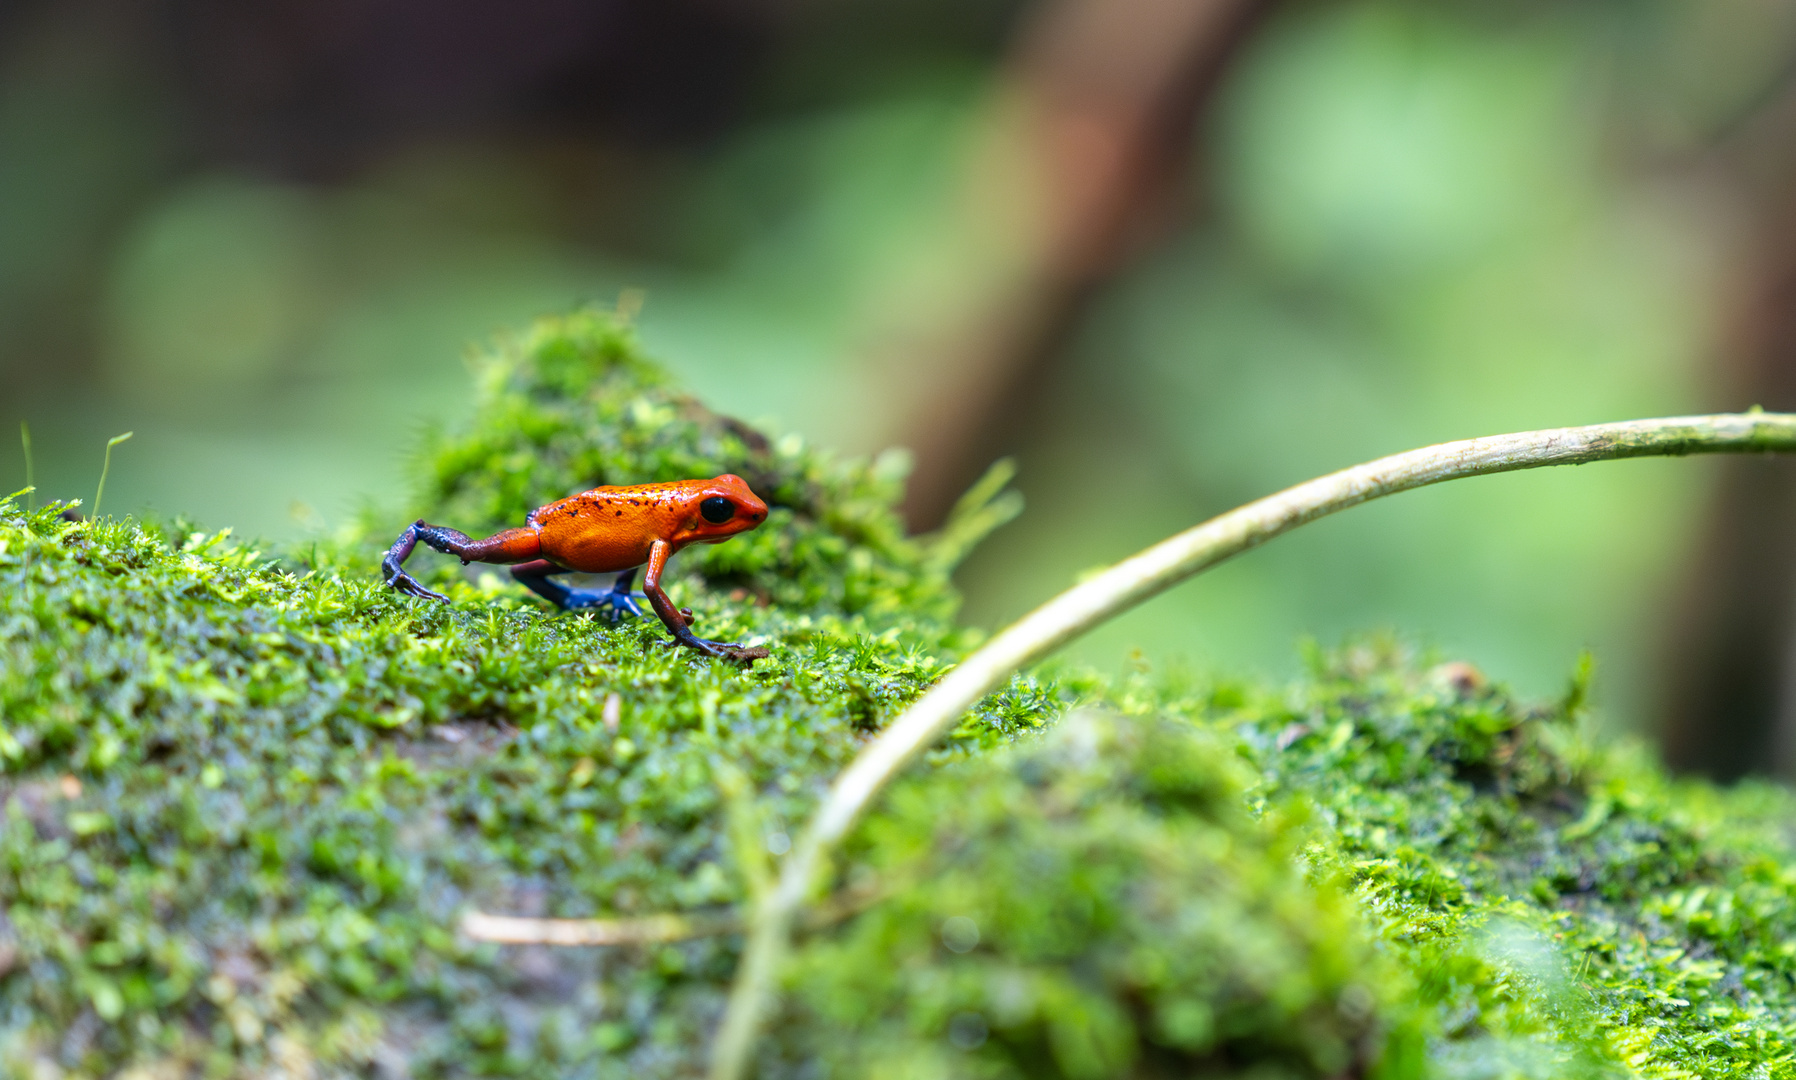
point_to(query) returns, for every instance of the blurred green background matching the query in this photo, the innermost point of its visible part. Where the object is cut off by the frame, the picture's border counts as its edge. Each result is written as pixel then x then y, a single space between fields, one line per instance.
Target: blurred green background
pixel 1171 258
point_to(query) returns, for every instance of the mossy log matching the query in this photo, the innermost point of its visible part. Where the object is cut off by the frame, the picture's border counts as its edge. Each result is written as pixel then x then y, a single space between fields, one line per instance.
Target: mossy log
pixel 250 797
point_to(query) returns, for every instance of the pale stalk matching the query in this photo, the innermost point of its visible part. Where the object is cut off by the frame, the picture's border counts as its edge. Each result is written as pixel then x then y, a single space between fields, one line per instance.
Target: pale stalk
pixel 646 930
pixel 106 468
pixel 1144 575
pixel 30 481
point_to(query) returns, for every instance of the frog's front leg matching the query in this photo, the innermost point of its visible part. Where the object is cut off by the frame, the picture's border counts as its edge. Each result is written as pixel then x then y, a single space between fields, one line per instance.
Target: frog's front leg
pixel 678 620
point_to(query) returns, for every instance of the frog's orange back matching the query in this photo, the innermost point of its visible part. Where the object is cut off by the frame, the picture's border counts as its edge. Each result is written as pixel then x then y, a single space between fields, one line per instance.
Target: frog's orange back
pixel 612 528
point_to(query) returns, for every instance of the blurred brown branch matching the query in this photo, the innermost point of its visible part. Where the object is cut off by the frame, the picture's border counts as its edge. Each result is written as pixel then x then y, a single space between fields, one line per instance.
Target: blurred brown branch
pixel 1080 165
pixel 1730 646
pixel 1730 708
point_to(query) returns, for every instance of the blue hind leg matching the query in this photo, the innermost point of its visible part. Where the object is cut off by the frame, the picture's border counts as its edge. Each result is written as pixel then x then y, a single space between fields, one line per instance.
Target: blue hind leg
pixel 616 603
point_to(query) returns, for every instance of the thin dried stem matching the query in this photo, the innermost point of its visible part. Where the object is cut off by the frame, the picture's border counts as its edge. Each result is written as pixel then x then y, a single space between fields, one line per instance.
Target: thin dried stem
pixel 1144 575
pixel 30 478
pixel 106 468
pixel 647 930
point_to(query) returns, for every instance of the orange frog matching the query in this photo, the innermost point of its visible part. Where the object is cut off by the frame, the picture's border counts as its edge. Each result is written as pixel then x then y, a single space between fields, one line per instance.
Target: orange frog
pixel 605 530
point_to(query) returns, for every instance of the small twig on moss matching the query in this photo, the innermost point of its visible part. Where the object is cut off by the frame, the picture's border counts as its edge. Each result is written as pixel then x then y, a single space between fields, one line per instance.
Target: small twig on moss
pixel 30 482
pixel 650 929
pixel 646 930
pixel 1147 574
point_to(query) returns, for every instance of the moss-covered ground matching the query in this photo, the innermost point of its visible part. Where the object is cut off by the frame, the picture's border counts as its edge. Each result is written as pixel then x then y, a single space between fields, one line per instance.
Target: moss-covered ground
pixel 247 796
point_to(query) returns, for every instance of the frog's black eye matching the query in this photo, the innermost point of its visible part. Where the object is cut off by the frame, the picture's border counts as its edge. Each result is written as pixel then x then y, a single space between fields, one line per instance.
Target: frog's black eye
pixel 717 509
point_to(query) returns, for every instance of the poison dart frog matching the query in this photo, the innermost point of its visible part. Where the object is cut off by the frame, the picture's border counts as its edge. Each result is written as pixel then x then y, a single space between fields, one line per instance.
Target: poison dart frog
pixel 601 531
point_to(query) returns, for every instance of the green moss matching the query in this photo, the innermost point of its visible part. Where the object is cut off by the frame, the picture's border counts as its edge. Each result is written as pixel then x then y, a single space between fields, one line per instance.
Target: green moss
pixel 1529 903
pixel 572 404
pixel 1563 908
pixel 246 798
pixel 244 806
pixel 1096 903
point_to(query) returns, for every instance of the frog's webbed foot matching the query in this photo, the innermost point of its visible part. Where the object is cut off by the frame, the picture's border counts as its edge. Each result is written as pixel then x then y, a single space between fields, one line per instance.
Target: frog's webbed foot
pixel 410 586
pixel 725 650
pixel 392 569
pixel 613 605
pixel 746 654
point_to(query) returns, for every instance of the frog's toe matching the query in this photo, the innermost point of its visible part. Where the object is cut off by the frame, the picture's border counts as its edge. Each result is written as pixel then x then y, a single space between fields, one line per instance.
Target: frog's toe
pixel 730 650
pixel 607 604
pixel 614 607
pixel 410 586
pixel 744 653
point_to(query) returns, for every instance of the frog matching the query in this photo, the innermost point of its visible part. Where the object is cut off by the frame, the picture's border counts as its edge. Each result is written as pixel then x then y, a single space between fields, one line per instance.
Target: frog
pixel 603 530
